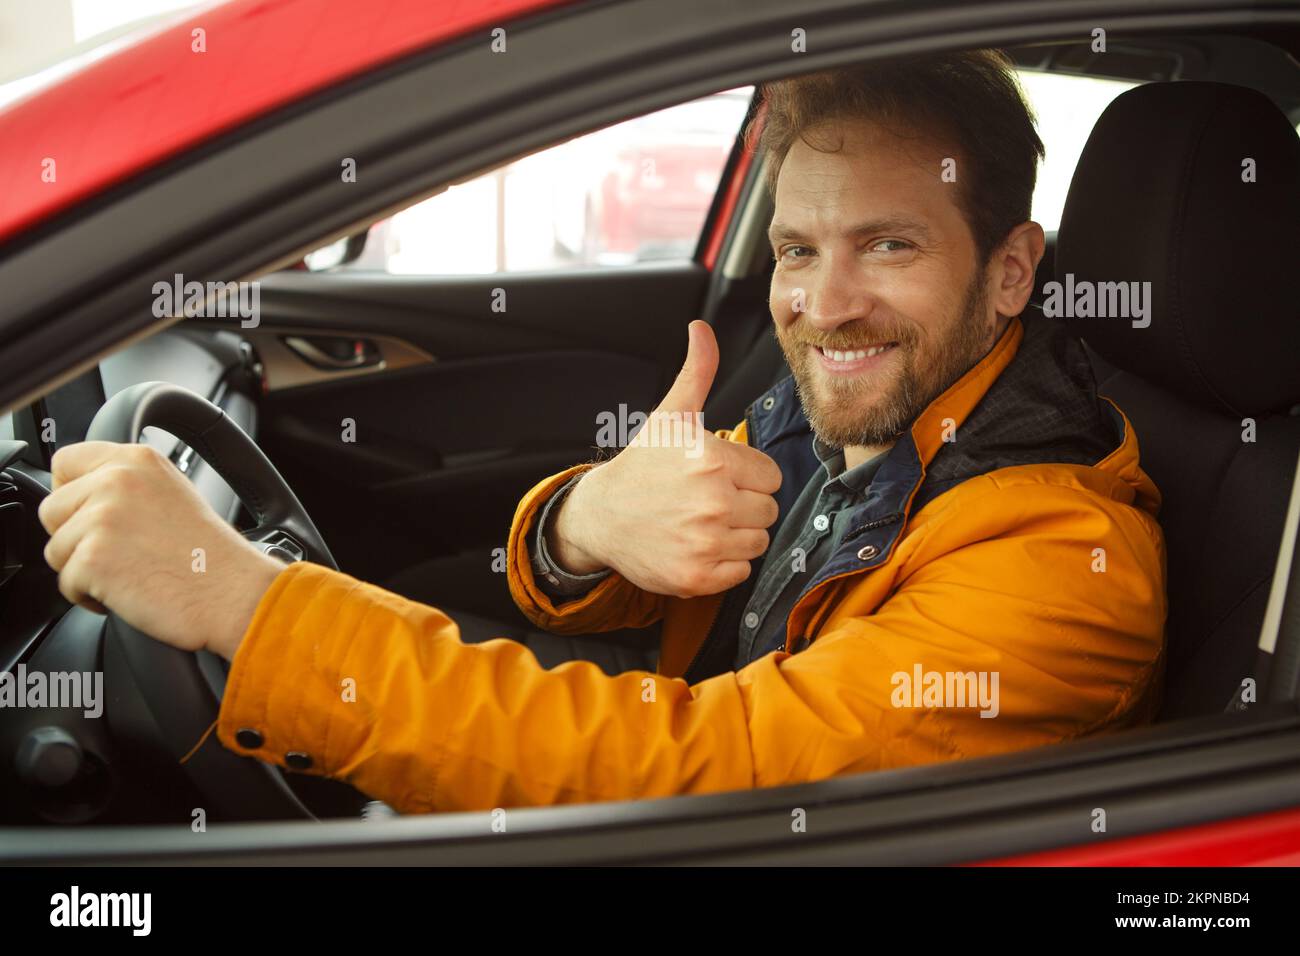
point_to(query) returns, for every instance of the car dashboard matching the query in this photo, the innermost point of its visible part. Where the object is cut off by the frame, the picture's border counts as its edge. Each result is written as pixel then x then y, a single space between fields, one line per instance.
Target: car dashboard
pixel 219 365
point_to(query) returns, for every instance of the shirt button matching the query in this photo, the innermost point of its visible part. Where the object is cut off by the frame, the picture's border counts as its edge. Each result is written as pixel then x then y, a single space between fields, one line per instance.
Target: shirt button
pixel 249 739
pixel 869 552
pixel 297 760
pixel 751 620
pixel 821 522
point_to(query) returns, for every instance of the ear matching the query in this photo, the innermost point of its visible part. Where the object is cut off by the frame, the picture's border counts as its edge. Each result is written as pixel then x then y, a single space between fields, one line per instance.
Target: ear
pixel 1013 268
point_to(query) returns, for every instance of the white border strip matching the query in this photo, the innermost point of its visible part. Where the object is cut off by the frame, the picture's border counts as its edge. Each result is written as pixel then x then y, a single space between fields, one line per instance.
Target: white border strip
pixel 1282 572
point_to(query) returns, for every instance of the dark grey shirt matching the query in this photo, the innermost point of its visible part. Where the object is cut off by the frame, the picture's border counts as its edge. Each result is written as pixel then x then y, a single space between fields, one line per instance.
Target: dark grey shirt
pixel 805 540
pixel 807 537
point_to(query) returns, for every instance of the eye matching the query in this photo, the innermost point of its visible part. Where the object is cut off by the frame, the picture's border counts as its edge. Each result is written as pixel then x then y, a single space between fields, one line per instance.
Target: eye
pixel 795 252
pixel 897 245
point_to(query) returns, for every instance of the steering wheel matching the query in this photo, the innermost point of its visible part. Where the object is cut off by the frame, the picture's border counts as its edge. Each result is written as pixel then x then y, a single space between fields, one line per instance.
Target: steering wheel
pixel 177 694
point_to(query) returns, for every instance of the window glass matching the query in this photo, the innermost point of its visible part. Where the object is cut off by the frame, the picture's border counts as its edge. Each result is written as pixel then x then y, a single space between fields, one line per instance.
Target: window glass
pixel 1067 107
pixel 633 192
pixel 640 190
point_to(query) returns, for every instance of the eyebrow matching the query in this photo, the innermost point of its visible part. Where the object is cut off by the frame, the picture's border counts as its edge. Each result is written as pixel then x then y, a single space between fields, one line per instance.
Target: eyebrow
pixel 780 230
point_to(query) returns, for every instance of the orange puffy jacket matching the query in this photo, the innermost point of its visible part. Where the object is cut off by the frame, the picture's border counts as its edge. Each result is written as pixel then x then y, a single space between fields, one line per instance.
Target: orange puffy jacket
pixel 1015 549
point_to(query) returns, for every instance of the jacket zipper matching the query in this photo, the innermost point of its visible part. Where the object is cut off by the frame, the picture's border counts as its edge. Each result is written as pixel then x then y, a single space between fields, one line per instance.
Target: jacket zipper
pixel 873 525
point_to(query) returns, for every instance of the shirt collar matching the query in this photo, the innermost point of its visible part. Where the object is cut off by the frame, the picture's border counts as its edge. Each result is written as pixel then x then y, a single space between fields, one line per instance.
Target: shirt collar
pixel 857 479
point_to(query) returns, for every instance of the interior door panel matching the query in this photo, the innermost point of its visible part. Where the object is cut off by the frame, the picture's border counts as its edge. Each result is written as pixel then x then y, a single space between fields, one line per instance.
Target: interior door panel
pixel 413 472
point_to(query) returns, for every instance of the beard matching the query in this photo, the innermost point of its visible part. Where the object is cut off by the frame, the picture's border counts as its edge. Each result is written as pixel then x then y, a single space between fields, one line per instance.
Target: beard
pixel 874 408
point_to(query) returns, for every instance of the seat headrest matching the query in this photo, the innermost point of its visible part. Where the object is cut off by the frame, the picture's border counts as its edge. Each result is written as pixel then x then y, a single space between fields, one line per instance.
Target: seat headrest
pixel 1195 189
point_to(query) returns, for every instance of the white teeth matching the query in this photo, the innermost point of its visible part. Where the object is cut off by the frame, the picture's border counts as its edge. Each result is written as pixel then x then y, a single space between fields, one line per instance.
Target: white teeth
pixel 837 356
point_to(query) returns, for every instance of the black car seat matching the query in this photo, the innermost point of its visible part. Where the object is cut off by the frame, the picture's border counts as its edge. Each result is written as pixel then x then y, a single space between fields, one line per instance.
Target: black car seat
pixel 1195 188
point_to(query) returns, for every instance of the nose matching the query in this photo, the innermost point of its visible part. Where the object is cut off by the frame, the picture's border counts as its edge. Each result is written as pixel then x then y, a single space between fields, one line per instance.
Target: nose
pixel 837 294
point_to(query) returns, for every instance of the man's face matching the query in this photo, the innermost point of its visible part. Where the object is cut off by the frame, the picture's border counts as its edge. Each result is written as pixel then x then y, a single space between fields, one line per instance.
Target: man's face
pixel 894 308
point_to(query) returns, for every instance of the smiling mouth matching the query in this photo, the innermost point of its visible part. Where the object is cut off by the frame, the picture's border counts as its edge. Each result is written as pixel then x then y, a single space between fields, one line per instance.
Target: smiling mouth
pixel 853 355
pixel 852 362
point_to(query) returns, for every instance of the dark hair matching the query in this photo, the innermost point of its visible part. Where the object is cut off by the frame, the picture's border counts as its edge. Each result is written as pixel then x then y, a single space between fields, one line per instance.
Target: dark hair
pixel 969 100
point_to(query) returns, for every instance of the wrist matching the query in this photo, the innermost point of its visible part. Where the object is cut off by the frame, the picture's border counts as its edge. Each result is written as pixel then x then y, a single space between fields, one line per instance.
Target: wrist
pixel 567 537
pixel 237 609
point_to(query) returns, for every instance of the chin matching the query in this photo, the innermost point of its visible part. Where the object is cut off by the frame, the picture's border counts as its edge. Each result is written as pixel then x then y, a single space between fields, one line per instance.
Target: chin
pixel 840 429
pixel 857 419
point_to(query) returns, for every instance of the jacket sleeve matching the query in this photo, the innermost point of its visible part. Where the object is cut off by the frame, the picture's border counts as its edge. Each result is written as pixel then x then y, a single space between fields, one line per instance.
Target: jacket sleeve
pixel 379 691
pixel 555 580
pixel 613 603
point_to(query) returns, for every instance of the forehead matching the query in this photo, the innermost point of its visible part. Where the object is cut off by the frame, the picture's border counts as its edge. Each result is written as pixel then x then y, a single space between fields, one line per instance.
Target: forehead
pixel 877 171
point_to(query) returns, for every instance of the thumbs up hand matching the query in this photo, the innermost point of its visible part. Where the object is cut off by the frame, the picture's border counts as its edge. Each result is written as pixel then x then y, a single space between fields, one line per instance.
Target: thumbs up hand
pixel 679 511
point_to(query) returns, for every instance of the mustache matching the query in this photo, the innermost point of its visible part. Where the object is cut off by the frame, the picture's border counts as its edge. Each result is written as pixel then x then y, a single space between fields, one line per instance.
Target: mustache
pixel 857 339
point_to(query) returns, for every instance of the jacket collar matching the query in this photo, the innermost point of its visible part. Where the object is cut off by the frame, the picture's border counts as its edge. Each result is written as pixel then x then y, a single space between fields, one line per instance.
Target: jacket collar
pixel 1031 399
pixel 778 414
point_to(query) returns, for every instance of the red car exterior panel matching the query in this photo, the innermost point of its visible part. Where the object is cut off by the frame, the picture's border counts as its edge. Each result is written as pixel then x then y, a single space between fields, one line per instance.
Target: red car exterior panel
pixel 158 98
pixel 1268 839
pixel 731 197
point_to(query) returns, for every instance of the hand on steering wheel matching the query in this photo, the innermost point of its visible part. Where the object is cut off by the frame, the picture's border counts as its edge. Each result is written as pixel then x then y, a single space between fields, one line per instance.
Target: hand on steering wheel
pixel 131 533
pixel 167 691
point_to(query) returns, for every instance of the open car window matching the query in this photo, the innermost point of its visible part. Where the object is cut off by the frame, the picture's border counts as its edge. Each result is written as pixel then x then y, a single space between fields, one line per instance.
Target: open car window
pixel 637 191
pixel 1067 107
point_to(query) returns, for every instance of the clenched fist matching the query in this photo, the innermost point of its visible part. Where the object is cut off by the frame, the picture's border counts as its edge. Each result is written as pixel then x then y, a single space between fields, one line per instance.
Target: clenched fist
pixel 681 517
pixel 124 527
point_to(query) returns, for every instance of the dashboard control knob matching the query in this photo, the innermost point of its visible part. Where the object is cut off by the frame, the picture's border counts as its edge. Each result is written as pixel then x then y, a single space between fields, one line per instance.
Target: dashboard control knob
pixel 49 757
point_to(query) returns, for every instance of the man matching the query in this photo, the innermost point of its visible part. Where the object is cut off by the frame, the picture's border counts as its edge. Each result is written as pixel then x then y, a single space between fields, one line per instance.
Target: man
pixel 933 541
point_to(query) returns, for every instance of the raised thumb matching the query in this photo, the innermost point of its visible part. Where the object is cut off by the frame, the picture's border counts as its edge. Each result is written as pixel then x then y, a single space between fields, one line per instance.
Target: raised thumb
pixel 695 379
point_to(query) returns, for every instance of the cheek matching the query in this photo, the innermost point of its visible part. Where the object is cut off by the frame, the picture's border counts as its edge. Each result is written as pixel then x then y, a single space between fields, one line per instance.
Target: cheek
pixel 779 303
pixel 787 298
pixel 932 308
